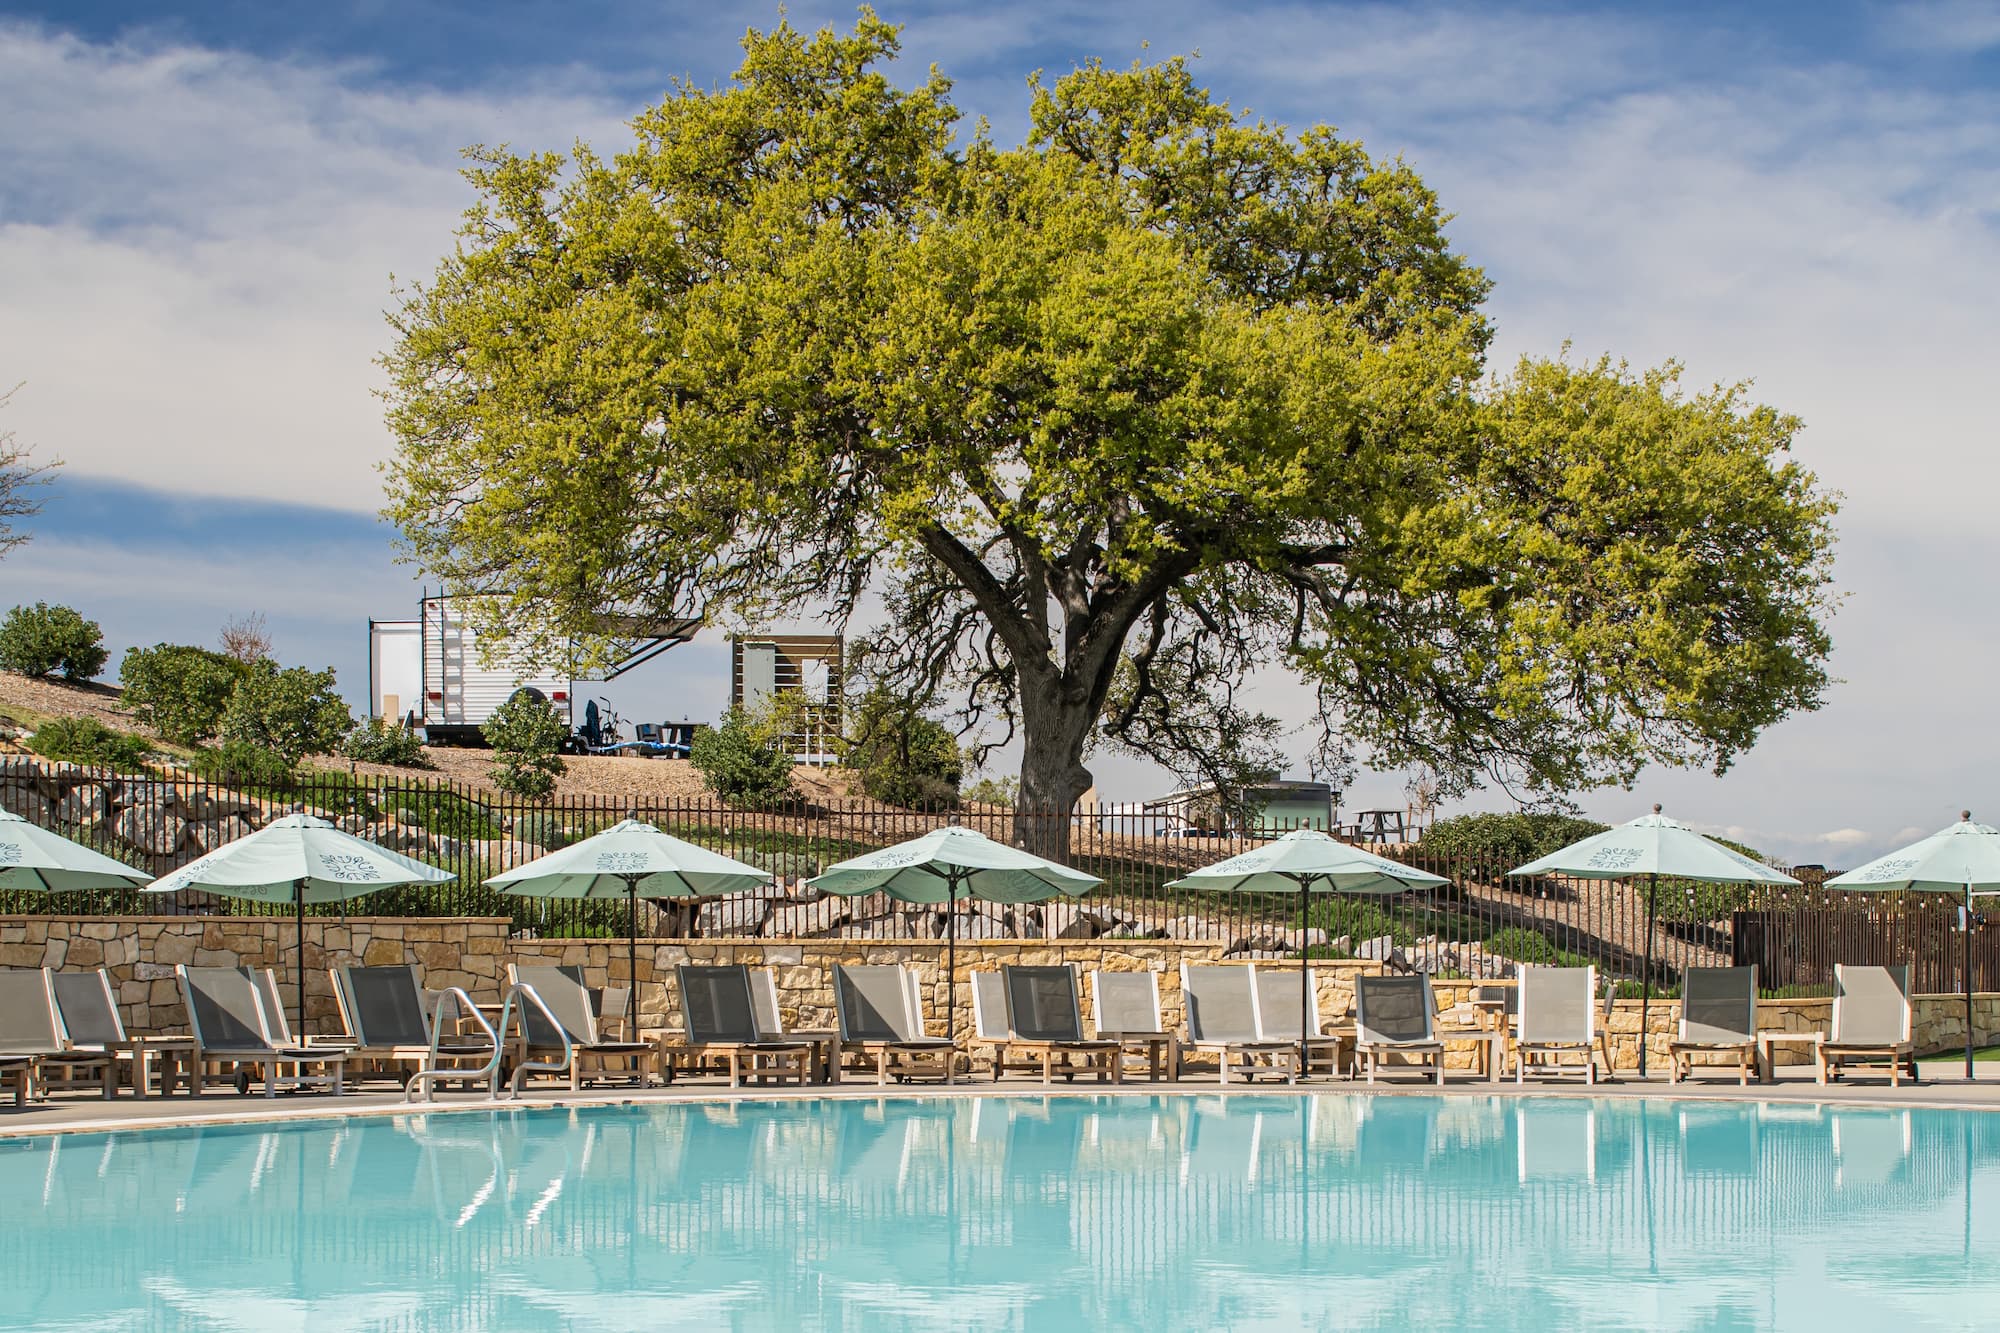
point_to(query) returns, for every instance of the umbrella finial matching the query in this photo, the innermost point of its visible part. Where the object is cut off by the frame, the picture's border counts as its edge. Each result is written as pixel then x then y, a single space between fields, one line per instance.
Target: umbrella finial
pixel 1656 807
pixel 631 810
pixel 1965 815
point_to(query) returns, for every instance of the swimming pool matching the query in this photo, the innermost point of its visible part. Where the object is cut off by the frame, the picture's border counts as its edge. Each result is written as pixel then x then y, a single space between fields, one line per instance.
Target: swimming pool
pixel 1182 1211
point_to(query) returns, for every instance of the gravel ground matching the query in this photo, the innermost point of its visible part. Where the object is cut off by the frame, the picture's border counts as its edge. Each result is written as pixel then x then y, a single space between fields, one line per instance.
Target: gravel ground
pixel 56 698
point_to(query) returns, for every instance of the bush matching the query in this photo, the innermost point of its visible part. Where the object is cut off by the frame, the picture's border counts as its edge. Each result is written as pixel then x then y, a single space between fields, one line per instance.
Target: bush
pixel 743 761
pixel 1533 947
pixel 178 690
pixel 527 735
pixel 85 740
pixel 382 740
pixel 41 639
pixel 903 757
pixel 1503 841
pixel 1002 792
pixel 290 711
pixel 246 764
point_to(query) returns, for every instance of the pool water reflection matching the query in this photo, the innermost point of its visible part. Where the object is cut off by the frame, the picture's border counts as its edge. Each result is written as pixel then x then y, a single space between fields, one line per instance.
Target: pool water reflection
pixel 1179 1211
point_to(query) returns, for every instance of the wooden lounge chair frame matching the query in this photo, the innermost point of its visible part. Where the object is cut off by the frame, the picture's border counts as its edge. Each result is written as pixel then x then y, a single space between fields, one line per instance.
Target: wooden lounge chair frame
pixel 1016 1015
pixel 1396 1015
pixel 226 1014
pixel 1532 1043
pixel 1225 1024
pixel 719 1020
pixel 882 1026
pixel 38 1046
pixel 561 997
pixel 1878 1045
pixel 1710 997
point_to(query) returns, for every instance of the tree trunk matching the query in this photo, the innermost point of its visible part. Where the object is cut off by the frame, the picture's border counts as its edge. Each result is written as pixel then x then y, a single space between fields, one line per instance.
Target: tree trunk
pixel 1054 732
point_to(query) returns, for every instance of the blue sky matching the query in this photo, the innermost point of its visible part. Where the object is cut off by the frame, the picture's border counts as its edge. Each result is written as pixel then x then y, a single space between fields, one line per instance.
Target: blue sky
pixel 203 206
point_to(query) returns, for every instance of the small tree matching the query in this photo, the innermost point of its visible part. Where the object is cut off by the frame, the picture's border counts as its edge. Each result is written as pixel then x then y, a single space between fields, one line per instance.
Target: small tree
pixel 290 711
pixel 382 740
pixel 742 760
pixel 246 639
pixel 178 690
pixel 903 757
pixel 18 480
pixel 1001 791
pixel 527 734
pixel 41 639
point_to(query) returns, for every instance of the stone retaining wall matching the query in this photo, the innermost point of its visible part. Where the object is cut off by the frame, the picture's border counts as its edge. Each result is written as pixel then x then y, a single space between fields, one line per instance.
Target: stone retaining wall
pixel 472 952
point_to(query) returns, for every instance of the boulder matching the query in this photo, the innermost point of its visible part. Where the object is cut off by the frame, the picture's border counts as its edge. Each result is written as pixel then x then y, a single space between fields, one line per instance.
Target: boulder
pixel 1379 948
pixel 1067 921
pixel 805 920
pixel 206 835
pixel 979 926
pixel 85 803
pixel 739 915
pixel 1195 928
pixel 152 828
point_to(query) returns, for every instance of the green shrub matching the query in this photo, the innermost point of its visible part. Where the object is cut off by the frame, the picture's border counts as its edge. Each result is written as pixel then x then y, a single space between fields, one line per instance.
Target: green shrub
pixel 246 764
pixel 40 640
pixel 1002 792
pixel 1503 841
pixel 381 740
pixel 903 757
pixel 290 711
pixel 1533 947
pixel 743 761
pixel 178 690
pixel 85 740
pixel 527 735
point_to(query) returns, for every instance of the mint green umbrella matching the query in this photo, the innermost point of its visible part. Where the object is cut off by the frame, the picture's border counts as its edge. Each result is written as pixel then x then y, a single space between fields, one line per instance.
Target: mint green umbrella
pixel 1652 846
pixel 35 859
pixel 1964 858
pixel 1310 862
pixel 946 865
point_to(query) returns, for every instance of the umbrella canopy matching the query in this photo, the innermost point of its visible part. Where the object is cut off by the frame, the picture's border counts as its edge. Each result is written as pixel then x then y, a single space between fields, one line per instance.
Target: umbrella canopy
pixel 1964 858
pixel 1652 846
pixel 39 861
pixel 948 864
pixel 625 860
pixel 1306 858
pixel 299 859
pixel 630 856
pixel 1307 861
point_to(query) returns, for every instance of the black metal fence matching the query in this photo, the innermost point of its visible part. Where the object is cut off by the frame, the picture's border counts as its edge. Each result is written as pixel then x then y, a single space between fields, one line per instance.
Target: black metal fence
pixel 1478 925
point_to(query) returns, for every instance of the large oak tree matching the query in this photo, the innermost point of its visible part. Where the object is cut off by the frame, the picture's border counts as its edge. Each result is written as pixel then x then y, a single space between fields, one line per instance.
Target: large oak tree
pixel 1092 429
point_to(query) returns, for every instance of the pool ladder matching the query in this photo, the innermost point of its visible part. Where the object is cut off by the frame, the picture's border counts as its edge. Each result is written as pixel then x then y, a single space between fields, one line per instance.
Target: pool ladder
pixel 419 1086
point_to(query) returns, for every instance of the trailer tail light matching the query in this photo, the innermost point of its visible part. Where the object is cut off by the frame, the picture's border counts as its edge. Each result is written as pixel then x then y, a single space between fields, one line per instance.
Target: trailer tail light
pixel 435 696
pixel 560 696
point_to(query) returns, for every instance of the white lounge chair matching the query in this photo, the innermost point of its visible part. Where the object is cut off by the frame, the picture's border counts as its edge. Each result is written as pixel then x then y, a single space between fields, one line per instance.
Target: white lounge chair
pixel 1278 1005
pixel 882 1024
pixel 1871 1023
pixel 33 1043
pixel 1125 1008
pixel 1718 1017
pixel 1557 1020
pixel 1219 1003
pixel 1393 1016
pixel 1037 1010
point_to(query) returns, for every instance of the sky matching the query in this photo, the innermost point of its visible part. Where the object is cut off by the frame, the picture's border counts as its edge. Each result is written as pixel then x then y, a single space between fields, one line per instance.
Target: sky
pixel 205 210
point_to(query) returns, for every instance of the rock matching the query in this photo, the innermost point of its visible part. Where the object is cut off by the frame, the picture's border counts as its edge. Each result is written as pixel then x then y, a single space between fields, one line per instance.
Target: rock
pixel 152 828
pixel 28 803
pixel 1194 928
pixel 805 920
pixel 1378 948
pixel 152 972
pixel 1067 921
pixel 740 915
pixel 85 804
pixel 979 926
pixel 1344 945
pixel 208 834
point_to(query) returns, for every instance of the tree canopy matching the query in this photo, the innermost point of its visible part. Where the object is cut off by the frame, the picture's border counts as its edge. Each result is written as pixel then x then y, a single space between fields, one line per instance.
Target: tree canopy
pixel 1091 429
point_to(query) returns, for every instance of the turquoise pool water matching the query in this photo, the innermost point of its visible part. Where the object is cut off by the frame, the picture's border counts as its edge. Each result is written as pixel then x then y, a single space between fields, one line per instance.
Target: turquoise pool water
pixel 1064 1212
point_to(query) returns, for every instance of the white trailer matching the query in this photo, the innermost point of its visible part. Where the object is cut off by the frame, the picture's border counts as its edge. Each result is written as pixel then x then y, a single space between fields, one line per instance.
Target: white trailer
pixel 429 672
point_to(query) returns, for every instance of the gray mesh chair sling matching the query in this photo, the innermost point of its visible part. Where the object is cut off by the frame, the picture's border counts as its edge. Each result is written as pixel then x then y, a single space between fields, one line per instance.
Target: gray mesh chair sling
pixel 1393 1016
pixel 1871 1023
pixel 1036 1010
pixel 226 1014
pixel 388 1022
pixel 568 1000
pixel 91 1020
pixel 719 1009
pixel 881 1024
pixel 33 1044
pixel 1220 1005
pixel 1718 1017
pixel 1125 1008
pixel 1278 1005
pixel 1557 1021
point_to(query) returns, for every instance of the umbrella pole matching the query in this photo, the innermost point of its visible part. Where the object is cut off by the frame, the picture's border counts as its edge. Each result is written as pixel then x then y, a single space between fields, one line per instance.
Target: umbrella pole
pixel 1646 985
pixel 1305 976
pixel 632 952
pixel 299 920
pixel 1968 981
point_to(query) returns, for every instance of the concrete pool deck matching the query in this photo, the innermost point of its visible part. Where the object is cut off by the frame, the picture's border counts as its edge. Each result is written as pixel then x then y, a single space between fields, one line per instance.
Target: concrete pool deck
pixel 1942 1087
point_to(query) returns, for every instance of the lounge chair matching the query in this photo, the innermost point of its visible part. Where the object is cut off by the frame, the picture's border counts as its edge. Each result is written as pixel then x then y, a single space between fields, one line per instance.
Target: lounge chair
pixel 567 1001
pixel 33 1044
pixel 882 1024
pixel 1718 1017
pixel 1278 1018
pixel 1558 1013
pixel 1871 1023
pixel 1393 1016
pixel 1125 1008
pixel 1037 1010
pixel 227 1017
pixel 387 1022
pixel 1220 1005
pixel 92 1022
pixel 719 1010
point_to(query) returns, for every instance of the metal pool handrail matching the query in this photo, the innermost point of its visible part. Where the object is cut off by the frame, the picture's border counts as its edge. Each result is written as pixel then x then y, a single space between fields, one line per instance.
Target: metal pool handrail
pixel 420 1082
pixel 526 1067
